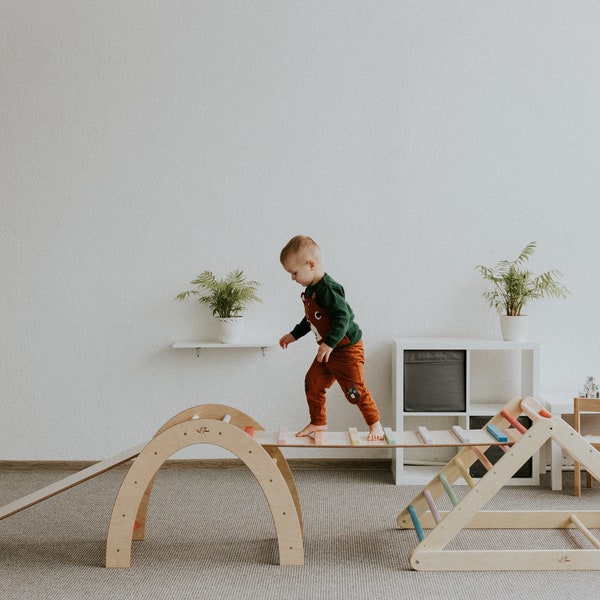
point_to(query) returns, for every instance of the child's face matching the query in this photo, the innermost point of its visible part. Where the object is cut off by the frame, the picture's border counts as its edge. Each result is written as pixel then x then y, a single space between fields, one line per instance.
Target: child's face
pixel 302 270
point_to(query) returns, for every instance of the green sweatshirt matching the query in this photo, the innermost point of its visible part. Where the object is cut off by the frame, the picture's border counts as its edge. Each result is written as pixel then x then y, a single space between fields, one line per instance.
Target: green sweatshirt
pixel 328 314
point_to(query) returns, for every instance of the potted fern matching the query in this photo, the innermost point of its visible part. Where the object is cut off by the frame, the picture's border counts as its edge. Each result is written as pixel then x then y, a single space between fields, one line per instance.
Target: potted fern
pixel 226 298
pixel 514 287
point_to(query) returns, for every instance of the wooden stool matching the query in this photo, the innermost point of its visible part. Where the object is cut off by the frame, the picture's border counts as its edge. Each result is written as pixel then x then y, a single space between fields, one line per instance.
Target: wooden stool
pixel 584 406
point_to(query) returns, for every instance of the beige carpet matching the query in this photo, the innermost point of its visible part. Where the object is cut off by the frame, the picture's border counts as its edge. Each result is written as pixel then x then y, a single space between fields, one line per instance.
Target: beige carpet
pixel 210 535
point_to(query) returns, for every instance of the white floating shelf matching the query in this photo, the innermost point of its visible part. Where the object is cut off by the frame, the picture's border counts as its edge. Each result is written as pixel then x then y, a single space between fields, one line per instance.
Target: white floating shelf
pixel 219 346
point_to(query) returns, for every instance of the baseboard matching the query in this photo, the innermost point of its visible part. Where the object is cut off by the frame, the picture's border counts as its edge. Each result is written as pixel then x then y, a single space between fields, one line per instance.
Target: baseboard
pixel 298 464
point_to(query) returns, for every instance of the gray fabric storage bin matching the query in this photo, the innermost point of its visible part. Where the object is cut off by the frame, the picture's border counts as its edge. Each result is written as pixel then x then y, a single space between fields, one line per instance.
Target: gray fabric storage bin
pixel 435 381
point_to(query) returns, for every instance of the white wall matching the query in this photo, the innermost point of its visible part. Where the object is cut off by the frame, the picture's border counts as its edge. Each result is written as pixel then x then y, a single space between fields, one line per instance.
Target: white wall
pixel 143 142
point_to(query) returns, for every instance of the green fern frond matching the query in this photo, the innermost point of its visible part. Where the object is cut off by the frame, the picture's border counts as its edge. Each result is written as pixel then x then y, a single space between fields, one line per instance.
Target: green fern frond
pixel 514 287
pixel 227 297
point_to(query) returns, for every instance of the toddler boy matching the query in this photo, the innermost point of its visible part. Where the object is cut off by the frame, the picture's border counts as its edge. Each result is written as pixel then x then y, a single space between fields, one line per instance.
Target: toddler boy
pixel 340 354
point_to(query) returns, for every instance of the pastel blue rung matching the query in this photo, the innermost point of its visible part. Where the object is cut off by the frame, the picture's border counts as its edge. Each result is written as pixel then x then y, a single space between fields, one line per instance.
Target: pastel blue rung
pixel 415 519
pixel 496 433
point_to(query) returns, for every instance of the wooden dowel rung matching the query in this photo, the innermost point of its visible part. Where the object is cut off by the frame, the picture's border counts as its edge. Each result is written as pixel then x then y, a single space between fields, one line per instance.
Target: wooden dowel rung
pixel 448 488
pixel 483 459
pixel 432 507
pixel 417 524
pixel 586 532
pixel 464 472
pixel 534 413
pixel 513 421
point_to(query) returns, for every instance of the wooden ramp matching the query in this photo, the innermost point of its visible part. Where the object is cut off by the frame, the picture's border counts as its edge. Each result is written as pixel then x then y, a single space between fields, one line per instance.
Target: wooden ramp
pixel 69 482
pixel 422 514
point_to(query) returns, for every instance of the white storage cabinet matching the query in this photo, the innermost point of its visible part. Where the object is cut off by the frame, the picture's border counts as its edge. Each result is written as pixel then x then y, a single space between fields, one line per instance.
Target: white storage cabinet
pixel 493 372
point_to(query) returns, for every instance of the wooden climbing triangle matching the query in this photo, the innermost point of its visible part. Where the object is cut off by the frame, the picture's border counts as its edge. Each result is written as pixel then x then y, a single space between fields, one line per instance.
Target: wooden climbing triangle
pixel 432 554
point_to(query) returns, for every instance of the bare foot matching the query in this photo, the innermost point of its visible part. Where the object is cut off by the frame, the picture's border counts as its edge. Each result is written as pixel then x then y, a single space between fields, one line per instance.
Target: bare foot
pixel 375 432
pixel 310 428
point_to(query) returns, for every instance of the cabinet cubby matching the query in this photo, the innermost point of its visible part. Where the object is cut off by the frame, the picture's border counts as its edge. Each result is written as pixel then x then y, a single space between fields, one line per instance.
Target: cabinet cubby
pixel 457 381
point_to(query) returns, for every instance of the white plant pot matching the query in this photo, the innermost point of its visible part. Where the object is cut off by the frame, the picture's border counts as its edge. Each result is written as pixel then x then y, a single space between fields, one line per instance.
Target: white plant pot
pixel 229 331
pixel 514 329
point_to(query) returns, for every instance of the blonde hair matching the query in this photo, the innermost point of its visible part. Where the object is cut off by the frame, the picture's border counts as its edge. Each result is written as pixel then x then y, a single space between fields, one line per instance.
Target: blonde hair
pixel 300 245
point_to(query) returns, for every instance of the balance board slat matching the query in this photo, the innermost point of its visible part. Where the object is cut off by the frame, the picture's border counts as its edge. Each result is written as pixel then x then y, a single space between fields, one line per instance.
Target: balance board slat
pixel 402 439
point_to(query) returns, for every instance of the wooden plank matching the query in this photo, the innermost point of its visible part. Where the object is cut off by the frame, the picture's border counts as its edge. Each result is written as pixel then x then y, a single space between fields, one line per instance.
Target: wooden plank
pixel 69 482
pixel 539 519
pixel 402 439
pixel 506 560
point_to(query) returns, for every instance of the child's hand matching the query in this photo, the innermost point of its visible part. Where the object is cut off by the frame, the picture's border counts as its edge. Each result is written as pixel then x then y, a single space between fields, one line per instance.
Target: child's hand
pixel 286 340
pixel 323 352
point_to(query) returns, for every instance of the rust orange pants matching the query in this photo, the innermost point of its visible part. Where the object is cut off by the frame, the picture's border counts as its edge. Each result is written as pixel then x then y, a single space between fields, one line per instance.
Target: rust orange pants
pixel 346 367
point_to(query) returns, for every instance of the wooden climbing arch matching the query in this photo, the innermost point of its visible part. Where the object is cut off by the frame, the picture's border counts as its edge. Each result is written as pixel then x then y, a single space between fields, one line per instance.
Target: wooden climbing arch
pixel 205 425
